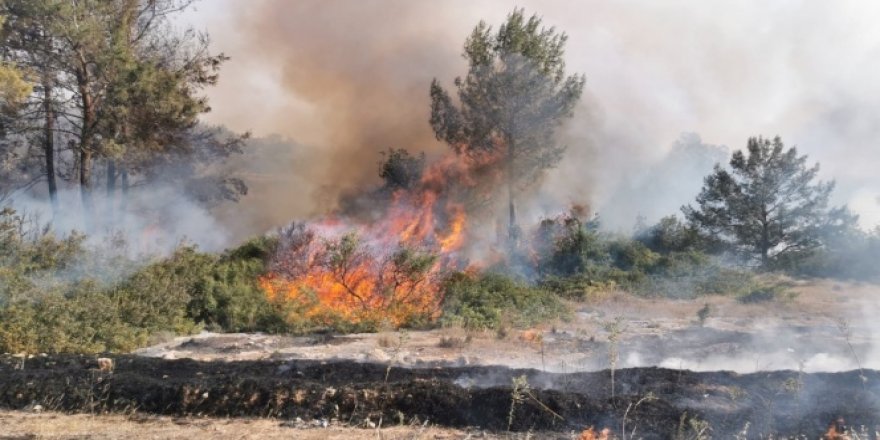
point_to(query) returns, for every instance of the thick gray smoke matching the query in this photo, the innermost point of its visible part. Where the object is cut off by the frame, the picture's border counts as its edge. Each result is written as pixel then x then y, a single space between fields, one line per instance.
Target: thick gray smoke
pixel 348 79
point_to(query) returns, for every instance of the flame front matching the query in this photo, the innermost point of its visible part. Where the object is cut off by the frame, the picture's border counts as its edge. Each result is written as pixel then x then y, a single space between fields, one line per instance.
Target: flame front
pixel 387 271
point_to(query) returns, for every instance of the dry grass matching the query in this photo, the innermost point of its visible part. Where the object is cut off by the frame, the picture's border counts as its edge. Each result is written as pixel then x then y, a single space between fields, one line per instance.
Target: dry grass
pixel 454 342
pixel 56 426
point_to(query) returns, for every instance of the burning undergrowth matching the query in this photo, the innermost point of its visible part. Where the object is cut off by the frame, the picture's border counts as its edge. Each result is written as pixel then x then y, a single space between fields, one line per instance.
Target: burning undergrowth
pixel 386 264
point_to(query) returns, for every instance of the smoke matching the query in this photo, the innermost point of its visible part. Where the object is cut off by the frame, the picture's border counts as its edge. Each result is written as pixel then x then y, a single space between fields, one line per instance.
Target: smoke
pixel 348 79
pixel 154 220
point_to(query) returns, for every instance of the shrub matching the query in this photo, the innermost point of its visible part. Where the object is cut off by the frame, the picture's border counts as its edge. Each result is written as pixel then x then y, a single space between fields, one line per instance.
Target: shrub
pixel 56 295
pixel 490 300
pixel 670 235
pixel 227 296
pixel 82 319
pixel 852 254
pixel 579 288
pixel 768 291
pixel 347 283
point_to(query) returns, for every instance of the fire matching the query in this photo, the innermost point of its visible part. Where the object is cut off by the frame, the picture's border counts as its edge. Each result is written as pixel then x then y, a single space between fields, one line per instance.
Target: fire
pixel 591 434
pixel 387 271
pixel 454 239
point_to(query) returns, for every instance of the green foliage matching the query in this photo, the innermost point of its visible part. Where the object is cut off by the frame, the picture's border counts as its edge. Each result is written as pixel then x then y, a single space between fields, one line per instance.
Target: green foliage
pixel 570 248
pixel 768 291
pixel 511 102
pixel 767 207
pixel 850 254
pixel 400 169
pixel 56 295
pixel 223 291
pixel 13 88
pixel 577 261
pixel 490 301
pixel 671 235
pixel 577 287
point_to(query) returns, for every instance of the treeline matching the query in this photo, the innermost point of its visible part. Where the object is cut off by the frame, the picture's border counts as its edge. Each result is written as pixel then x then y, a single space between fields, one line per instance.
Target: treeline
pixel 104 97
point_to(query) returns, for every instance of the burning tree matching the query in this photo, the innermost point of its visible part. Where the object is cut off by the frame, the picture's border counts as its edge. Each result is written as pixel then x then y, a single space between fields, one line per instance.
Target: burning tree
pixel 513 99
pixel 387 266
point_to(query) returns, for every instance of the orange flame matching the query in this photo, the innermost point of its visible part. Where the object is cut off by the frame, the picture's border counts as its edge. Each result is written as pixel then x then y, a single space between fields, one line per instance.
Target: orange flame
pixel 591 434
pixel 389 270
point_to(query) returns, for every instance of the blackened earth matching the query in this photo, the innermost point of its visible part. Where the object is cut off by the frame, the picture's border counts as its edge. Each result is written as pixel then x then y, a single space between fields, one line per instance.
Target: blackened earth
pixel 778 402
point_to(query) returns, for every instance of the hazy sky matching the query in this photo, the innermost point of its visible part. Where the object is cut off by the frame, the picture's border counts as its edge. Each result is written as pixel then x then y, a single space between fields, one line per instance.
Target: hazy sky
pixel 349 78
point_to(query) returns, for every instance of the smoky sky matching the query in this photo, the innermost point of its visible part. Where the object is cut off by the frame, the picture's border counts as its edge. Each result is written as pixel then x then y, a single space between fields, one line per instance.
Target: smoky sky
pixel 347 79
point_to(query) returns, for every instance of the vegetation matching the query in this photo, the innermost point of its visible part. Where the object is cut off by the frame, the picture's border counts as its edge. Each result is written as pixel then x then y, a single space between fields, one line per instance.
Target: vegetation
pixel 58 296
pixel 491 300
pixel 96 92
pixel 578 261
pixel 768 207
pixel 513 99
pixel 116 101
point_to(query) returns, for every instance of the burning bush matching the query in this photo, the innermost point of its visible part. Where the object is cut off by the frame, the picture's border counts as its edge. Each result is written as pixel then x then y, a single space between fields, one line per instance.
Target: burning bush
pixel 348 280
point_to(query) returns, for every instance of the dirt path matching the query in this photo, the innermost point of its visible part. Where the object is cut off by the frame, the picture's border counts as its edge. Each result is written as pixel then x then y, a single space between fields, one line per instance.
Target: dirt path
pixel 60 426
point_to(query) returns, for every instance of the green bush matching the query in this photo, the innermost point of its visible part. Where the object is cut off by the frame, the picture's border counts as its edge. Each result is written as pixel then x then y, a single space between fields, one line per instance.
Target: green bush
pixel 491 300
pixel 766 292
pixel 670 235
pixel 82 319
pixel 577 261
pixel 851 255
pixel 226 295
pixel 56 295
pixel 578 287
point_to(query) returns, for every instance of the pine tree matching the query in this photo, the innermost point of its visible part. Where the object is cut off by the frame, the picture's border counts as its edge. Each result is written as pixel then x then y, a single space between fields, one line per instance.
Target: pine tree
pixel 768 205
pixel 512 101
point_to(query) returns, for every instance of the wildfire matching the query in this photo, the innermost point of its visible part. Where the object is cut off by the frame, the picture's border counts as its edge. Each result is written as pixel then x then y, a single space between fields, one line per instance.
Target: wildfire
pixel 388 270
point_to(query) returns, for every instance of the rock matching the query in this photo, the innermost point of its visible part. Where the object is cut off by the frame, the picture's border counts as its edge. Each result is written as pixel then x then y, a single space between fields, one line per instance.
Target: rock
pixel 378 356
pixel 105 365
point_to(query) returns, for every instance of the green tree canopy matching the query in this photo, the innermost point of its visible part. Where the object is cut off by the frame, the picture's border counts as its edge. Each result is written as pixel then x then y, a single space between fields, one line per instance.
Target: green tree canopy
pixel 768 205
pixel 512 100
pixel 123 87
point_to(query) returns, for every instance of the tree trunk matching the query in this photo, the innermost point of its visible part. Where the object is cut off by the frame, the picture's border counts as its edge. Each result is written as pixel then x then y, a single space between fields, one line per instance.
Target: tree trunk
pixel 49 146
pixel 111 191
pixel 512 228
pixel 765 239
pixel 85 184
pixel 123 204
pixel 86 140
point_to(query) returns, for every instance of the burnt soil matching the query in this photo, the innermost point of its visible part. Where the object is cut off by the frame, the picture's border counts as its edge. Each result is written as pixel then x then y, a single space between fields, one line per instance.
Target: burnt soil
pixel 780 402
